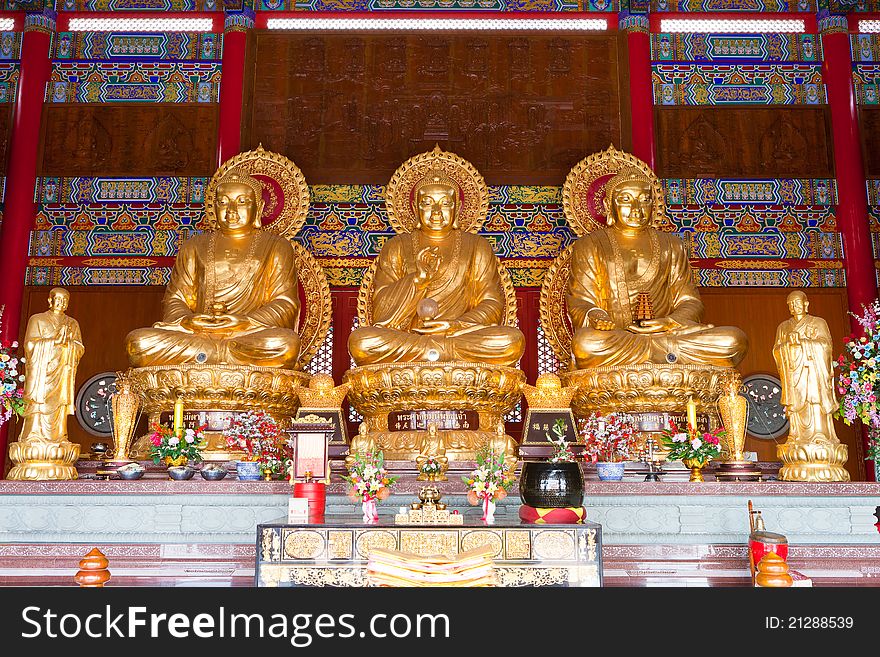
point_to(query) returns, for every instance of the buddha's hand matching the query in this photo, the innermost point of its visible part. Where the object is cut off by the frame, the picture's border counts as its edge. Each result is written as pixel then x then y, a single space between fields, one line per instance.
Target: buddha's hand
pixel 214 323
pixel 656 325
pixel 427 265
pixel 435 327
pixel 794 337
pixel 601 320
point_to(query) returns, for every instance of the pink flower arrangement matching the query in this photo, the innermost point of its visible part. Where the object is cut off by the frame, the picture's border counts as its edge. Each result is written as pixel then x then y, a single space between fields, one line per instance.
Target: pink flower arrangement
pixel 167 444
pixel 691 443
pixel 11 391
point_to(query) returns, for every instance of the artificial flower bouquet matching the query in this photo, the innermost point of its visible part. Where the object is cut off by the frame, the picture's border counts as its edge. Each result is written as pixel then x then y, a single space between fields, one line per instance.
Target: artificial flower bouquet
pixel 691 444
pixel 858 377
pixel 561 447
pixel 369 481
pixel 609 438
pixel 169 447
pixel 431 467
pixel 11 391
pixel 488 482
pixel 257 434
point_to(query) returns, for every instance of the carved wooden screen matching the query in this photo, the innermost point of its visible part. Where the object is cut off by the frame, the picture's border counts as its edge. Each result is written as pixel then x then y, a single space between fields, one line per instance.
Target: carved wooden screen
pixel 351 108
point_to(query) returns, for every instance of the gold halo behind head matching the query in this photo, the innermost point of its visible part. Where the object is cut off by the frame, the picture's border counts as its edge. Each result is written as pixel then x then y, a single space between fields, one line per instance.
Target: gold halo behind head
pixel 418 171
pixel 282 188
pixel 585 186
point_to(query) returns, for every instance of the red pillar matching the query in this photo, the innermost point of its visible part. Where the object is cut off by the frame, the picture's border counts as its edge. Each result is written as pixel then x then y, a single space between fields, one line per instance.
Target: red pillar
pixel 232 85
pixel 20 209
pixel 641 87
pixel 852 206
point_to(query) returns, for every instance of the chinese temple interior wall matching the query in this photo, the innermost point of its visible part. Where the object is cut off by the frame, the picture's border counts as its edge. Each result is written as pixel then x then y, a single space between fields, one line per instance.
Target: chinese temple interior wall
pixel 742 138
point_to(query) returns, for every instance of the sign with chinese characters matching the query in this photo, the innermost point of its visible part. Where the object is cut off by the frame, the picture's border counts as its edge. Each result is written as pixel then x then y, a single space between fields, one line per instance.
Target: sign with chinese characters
pixel 446 420
pixel 539 423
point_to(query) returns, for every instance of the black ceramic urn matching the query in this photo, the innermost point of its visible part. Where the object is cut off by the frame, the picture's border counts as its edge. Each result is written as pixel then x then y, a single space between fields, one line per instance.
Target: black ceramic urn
pixel 551 485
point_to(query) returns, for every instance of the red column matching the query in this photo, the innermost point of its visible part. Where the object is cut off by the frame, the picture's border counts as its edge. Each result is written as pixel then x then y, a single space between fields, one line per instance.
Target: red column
pixel 232 85
pixel 852 206
pixel 641 87
pixel 20 209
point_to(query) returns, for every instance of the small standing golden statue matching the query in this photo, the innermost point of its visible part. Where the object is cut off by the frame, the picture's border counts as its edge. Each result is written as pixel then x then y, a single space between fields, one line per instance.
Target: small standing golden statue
pixel 434 450
pixel 53 346
pixel 803 356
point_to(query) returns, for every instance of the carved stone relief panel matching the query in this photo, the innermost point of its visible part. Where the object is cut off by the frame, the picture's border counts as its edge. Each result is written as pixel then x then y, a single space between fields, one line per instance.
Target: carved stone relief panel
pixel 121 140
pixel 743 142
pixel 350 109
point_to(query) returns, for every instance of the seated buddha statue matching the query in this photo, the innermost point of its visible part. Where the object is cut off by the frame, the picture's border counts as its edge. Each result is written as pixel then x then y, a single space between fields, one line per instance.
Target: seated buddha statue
pixel 631 296
pixel 233 296
pixel 437 291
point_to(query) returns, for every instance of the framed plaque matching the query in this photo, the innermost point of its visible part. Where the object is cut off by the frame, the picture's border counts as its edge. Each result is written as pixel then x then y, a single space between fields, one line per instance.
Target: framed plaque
pixel 311 451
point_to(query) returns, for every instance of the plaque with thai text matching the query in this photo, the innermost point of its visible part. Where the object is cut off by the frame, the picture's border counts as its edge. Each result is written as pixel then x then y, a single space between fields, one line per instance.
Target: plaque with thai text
pixel 211 420
pixel 446 420
pixel 350 107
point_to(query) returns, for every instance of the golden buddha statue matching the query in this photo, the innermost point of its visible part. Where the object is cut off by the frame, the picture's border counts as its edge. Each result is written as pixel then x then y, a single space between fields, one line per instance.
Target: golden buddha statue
pixel 52 347
pixel 437 293
pixel 233 295
pixel 234 336
pixel 613 267
pixel 803 355
pixel 619 307
pixel 437 337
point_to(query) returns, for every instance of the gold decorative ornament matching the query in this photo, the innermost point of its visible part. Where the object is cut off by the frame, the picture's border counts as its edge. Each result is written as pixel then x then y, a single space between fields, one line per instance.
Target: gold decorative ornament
pixel 321 394
pixel 733 409
pixel 453 170
pixel 53 347
pixel 377 390
pixel 212 389
pixel 696 467
pixel 125 406
pixel 548 394
pixel 803 355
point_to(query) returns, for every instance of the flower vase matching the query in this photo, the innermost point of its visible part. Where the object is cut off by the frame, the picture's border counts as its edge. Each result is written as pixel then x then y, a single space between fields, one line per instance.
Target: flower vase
pixel 171 461
pixel 488 510
pixel 610 470
pixel 696 466
pixel 371 512
pixel 248 470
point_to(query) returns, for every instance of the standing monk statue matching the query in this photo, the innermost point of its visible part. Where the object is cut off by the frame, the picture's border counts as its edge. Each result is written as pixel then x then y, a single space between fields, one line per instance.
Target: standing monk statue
pixel 52 347
pixel 631 295
pixel 233 296
pixel 437 293
pixel 803 356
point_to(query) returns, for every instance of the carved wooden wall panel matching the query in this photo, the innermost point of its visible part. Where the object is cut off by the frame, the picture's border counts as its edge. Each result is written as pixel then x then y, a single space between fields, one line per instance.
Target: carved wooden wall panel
pixel 350 108
pixel 743 142
pixel 5 123
pixel 129 140
pixel 869 117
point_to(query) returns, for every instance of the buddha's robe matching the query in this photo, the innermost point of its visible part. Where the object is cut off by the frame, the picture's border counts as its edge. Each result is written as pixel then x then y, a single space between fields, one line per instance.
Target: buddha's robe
pixel 602 277
pixel 469 294
pixel 261 285
pixel 807 378
pixel 49 389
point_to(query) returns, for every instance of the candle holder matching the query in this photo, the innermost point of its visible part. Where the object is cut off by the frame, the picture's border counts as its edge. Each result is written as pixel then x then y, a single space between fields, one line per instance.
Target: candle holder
pixel 649 456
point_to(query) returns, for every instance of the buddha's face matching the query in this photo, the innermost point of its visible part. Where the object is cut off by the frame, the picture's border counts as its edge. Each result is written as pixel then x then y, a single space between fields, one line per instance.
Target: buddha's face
pixel 58 300
pixel 632 204
pixel 797 304
pixel 235 206
pixel 435 206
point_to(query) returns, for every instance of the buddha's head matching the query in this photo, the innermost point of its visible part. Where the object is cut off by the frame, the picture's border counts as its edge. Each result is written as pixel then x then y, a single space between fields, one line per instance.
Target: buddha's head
pixel 629 200
pixel 59 298
pixel 797 303
pixel 435 203
pixel 238 203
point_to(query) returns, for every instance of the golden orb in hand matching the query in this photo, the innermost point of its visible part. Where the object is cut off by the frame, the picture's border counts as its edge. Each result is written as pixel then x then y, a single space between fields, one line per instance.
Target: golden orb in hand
pixel 427 308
